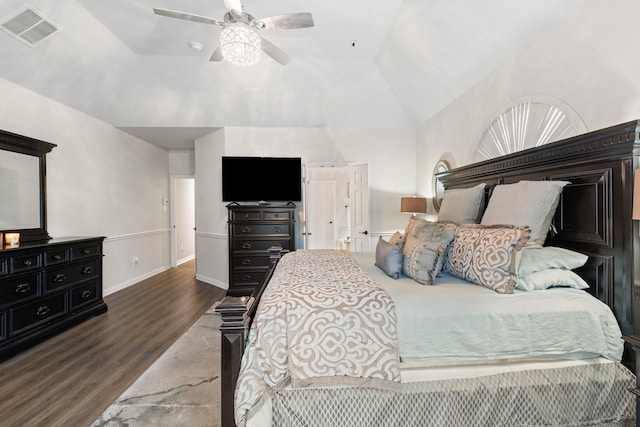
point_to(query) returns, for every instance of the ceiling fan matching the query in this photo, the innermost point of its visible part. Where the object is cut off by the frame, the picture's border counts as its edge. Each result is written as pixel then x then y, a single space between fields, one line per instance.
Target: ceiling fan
pixel 240 42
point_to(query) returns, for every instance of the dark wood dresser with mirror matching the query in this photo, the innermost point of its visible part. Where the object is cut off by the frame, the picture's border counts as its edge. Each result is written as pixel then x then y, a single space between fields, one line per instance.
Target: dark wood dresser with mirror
pixel 253 229
pixel 46 285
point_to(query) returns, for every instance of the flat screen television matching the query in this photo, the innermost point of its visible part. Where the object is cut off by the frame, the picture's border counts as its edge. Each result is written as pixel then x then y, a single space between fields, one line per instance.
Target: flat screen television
pixel 261 179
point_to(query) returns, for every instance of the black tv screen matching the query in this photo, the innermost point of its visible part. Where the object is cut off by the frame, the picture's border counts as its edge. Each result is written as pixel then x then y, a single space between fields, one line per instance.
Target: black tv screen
pixel 261 179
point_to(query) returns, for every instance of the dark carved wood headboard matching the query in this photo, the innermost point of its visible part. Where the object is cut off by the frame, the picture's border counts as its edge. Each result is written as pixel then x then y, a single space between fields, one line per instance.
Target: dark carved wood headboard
pixel 595 210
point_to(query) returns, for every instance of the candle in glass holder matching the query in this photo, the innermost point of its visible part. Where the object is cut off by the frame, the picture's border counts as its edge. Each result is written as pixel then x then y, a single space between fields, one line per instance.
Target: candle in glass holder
pixel 11 239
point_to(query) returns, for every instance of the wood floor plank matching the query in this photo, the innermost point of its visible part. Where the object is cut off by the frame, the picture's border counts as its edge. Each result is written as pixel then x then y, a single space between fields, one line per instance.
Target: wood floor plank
pixel 71 378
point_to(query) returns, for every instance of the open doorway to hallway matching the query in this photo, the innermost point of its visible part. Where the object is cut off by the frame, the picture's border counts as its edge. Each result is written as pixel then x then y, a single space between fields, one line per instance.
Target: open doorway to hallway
pixel 183 247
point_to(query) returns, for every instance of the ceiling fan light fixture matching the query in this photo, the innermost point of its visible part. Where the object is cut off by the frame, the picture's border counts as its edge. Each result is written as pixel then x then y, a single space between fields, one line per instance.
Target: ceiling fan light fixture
pixel 240 44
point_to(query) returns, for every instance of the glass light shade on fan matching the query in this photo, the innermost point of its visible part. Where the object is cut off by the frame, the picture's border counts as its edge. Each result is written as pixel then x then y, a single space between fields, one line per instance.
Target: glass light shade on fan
pixel 240 44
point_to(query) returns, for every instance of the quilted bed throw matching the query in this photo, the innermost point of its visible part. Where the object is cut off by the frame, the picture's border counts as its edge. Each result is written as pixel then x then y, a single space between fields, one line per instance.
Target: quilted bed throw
pixel 321 321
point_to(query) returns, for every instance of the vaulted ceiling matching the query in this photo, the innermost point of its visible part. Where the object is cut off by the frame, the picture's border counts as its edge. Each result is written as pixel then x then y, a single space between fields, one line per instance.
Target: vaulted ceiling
pixel 365 63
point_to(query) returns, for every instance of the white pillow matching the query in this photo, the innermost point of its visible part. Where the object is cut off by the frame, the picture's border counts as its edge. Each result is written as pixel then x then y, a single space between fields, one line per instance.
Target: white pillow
pixel 462 205
pixel 553 277
pixel 525 203
pixel 536 259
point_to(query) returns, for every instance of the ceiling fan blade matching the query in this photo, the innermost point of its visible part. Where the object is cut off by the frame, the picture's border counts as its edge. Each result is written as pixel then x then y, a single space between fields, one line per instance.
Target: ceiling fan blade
pixel 187 16
pixel 288 21
pixel 233 5
pixel 217 55
pixel 275 52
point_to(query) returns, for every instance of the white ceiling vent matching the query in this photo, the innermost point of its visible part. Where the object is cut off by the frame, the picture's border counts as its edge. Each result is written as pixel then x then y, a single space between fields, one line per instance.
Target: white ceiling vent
pixel 29 26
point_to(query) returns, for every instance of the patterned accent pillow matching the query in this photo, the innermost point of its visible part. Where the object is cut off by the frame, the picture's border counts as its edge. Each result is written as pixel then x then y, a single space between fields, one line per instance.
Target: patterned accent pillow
pixel 389 258
pixel 530 203
pixel 397 239
pixel 487 255
pixel 424 251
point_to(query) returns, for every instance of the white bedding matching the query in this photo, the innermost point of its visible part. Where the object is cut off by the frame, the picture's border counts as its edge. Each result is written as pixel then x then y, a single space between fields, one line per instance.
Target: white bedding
pixel 552 323
pixel 434 347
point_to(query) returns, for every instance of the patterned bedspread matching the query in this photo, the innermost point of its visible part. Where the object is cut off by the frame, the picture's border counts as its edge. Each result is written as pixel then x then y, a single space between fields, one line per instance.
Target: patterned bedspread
pixel 320 322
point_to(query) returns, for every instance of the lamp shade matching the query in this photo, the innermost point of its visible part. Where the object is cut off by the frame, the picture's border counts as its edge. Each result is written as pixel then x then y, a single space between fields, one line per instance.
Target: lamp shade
pixel 636 194
pixel 413 204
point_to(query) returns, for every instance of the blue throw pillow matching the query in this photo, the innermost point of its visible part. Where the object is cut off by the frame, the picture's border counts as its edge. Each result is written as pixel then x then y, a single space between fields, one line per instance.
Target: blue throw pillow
pixel 389 258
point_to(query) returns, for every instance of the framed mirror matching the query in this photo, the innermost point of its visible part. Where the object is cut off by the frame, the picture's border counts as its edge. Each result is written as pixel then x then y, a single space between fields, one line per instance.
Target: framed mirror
pixel 23 195
pixel 436 186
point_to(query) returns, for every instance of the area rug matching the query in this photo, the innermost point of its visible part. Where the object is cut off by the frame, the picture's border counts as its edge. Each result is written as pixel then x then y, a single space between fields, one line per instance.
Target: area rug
pixel 182 388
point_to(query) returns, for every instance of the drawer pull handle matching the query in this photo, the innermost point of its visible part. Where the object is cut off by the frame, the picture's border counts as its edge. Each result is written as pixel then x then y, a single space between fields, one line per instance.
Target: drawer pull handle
pixel 42 310
pixel 59 278
pixel 246 261
pixel 246 278
pixel 246 246
pixel 85 294
pixel 245 216
pixel 246 229
pixel 276 229
pixel 57 257
pixel 27 263
pixel 22 288
pixel 87 270
pixel 86 251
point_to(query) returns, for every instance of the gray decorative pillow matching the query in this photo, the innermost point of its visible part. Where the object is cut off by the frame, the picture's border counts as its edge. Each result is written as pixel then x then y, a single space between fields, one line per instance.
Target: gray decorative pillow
pixel 424 251
pixel 487 256
pixel 422 258
pixel 537 259
pixel 462 205
pixel 525 203
pixel 389 258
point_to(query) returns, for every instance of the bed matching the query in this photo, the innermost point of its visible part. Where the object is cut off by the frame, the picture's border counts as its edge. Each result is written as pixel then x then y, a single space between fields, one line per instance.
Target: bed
pixel 304 350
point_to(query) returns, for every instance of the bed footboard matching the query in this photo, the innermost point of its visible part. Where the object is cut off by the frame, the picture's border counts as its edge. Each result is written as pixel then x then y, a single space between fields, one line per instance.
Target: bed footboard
pixel 237 314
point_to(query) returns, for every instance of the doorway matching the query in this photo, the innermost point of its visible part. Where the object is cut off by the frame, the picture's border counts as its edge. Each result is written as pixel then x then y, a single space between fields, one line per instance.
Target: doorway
pixel 182 219
pixel 336 208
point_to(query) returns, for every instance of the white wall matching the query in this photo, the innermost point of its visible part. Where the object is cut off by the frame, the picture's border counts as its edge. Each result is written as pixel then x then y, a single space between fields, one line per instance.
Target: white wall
pixel 100 182
pixel 587 61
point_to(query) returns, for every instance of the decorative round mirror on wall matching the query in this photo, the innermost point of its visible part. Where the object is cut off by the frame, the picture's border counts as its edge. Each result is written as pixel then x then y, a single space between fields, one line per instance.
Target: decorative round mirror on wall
pixel 436 186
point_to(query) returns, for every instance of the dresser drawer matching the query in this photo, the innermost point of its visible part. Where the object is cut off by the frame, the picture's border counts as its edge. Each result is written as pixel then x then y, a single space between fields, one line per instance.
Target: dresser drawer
pixel 245 215
pixel 246 278
pixel 20 288
pixel 243 245
pixel 57 278
pixel 261 229
pixel 84 251
pixel 23 263
pixel 30 315
pixel 277 215
pixel 250 262
pixel 57 256
pixel 84 294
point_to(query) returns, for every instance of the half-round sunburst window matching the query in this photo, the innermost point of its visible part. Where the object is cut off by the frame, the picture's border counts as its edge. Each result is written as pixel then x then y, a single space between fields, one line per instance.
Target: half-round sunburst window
pixel 527 124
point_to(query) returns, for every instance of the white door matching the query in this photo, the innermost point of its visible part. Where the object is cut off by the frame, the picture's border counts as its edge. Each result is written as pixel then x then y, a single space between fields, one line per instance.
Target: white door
pixel 321 201
pixel 359 211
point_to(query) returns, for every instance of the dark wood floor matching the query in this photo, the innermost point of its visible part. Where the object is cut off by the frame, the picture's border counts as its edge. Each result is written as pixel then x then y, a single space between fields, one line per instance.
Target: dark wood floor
pixel 70 379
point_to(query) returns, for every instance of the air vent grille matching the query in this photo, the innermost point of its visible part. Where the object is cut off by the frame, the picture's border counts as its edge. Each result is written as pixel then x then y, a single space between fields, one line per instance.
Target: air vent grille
pixel 29 26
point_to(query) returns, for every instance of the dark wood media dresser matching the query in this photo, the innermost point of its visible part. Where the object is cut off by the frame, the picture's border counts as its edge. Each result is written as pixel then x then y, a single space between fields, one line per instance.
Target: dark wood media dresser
pixel 46 287
pixel 253 229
